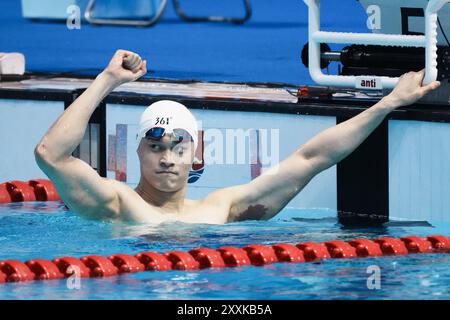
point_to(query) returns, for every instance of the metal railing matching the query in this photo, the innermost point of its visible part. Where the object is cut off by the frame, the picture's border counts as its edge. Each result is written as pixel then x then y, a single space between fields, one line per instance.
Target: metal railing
pixel 317 37
pixel 89 16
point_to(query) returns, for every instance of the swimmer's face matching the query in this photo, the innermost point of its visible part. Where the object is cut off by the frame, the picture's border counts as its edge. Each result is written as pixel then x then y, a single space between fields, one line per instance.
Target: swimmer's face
pixel 165 164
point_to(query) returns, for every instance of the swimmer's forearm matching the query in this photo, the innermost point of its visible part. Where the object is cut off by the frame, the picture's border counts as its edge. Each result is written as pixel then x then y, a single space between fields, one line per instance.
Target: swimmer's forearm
pixel 334 144
pixel 67 132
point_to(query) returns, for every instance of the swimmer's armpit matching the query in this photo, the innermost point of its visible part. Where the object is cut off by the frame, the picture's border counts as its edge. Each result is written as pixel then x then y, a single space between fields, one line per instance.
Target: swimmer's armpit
pixel 255 212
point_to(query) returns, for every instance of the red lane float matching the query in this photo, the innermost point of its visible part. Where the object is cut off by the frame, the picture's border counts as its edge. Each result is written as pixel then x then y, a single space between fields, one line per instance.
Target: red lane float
pixel 339 249
pixel 44 269
pixel 366 248
pixel 4 194
pixel 16 271
pixel 260 255
pixel 288 253
pixel 416 244
pixel 182 260
pixel 391 246
pixel 20 191
pixel 100 266
pixel 126 263
pixel 439 242
pixel 69 266
pixel 201 258
pixel 33 190
pixel 2 277
pixel 207 258
pixel 314 251
pixel 234 257
pixel 44 190
pixel 154 261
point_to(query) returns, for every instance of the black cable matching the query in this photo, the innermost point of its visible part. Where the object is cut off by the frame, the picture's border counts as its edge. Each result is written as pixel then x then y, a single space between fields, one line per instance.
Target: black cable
pixel 442 29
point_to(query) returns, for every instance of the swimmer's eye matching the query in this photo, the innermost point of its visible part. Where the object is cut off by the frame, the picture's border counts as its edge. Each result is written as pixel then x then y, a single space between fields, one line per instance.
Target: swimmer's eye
pixel 155 147
pixel 179 150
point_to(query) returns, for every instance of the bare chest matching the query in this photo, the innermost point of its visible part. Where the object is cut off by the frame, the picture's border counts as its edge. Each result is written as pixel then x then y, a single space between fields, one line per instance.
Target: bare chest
pixel 202 211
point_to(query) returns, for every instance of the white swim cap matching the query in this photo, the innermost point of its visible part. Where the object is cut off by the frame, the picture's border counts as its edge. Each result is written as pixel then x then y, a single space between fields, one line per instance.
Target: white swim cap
pixel 169 115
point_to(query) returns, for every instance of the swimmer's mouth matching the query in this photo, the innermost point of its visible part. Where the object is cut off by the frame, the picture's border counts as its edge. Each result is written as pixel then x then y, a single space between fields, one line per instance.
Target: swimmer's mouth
pixel 166 172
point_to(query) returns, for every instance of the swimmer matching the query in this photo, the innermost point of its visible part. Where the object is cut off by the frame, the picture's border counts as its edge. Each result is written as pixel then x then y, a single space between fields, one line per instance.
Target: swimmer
pixel 167 140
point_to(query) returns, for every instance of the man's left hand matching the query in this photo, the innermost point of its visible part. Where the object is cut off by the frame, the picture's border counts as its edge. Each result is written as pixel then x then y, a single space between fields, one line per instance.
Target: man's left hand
pixel 409 89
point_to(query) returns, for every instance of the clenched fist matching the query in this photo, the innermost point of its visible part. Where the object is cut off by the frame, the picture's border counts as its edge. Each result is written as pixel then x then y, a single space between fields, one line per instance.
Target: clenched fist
pixel 125 66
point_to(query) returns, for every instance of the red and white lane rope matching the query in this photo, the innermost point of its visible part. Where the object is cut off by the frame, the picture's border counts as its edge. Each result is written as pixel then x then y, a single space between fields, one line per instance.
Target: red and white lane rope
pixel 201 258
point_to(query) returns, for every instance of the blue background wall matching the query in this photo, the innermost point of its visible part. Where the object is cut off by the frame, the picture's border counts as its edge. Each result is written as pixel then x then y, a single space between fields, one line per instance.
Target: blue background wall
pixel 265 49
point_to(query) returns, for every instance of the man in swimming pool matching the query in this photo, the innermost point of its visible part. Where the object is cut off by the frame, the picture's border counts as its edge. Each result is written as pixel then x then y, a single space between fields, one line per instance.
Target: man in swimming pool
pixel 166 152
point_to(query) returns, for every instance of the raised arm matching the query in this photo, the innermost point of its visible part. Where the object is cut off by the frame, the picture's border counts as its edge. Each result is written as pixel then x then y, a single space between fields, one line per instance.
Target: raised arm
pixel 333 145
pixel 80 187
pixel 265 196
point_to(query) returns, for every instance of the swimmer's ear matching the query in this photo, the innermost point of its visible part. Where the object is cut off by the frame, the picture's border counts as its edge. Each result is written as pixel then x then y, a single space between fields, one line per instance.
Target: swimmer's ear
pixel 139 146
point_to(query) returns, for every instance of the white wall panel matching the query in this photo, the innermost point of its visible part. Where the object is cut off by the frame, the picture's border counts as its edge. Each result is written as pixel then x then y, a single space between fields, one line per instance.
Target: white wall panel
pixel 22 124
pixel 419 170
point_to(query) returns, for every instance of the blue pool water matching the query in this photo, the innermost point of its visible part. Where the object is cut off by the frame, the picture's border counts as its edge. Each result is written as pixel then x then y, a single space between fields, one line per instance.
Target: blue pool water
pixel 48 230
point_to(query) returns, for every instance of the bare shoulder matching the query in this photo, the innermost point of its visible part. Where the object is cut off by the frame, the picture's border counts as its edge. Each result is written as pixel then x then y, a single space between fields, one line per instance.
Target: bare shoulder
pixel 118 186
pixel 124 191
pixel 221 196
pixel 132 206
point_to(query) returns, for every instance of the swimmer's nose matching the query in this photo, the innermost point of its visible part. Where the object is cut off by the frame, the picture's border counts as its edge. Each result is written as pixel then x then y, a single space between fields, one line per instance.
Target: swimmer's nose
pixel 167 160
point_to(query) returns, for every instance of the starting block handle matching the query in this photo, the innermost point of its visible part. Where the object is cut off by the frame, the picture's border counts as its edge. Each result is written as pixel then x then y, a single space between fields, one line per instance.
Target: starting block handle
pixel 316 37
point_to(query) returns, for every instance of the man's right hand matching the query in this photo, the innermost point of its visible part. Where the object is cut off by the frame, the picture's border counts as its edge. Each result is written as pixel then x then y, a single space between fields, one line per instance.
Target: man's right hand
pixel 118 74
